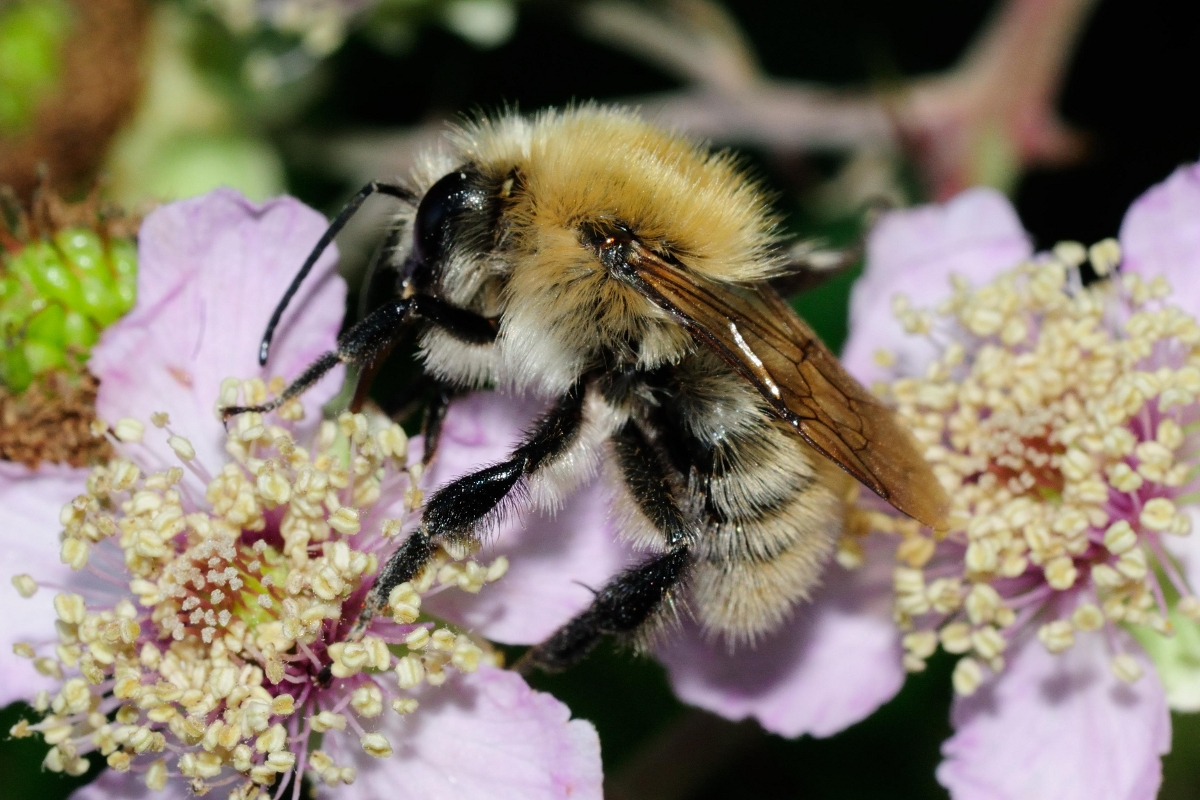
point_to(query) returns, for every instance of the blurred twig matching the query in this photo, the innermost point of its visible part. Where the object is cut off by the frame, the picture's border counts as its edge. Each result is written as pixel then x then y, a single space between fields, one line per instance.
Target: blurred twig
pixel 695 40
pixel 985 120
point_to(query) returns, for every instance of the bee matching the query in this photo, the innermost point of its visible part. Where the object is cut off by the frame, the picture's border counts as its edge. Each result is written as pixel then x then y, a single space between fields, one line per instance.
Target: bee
pixel 630 276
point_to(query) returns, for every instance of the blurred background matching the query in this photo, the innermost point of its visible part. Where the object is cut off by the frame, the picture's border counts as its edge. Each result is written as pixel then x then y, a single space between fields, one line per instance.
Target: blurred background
pixel 1072 107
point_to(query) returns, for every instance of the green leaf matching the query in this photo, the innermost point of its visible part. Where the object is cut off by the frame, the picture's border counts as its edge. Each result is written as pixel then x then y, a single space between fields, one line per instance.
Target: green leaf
pixel 1177 659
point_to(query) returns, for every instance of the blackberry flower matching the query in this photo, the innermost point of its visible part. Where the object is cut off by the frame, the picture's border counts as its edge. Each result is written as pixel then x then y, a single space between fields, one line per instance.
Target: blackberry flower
pixel 178 625
pixel 1061 418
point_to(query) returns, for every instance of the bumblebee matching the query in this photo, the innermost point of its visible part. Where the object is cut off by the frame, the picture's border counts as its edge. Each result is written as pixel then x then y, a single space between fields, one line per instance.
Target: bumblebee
pixel 632 277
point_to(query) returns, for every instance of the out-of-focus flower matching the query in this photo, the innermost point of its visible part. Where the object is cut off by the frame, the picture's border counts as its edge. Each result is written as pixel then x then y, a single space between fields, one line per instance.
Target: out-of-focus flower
pixel 188 136
pixel 322 25
pixel 1061 418
pixel 829 667
pixel 209 576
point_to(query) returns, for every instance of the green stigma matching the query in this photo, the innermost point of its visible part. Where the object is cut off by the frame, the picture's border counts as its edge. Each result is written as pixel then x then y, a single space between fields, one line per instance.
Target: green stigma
pixel 263 572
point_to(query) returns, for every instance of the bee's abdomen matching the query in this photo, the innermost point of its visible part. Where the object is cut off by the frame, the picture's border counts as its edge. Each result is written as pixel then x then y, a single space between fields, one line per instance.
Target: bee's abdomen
pixel 768 508
pixel 774 509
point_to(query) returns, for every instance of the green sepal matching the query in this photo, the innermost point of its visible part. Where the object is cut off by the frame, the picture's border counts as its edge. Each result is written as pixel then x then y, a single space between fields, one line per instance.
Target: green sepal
pixel 1176 659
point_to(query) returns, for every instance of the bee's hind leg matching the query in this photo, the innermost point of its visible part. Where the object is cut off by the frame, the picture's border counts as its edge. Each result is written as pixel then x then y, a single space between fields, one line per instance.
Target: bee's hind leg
pixel 622 607
pixel 629 601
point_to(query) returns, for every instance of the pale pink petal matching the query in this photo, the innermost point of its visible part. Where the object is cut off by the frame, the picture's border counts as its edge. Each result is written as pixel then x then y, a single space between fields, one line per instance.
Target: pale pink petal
pixel 553 558
pixel 131 786
pixel 913 252
pixel 1161 235
pixel 1059 728
pixel 485 736
pixel 30 502
pixel 835 663
pixel 210 272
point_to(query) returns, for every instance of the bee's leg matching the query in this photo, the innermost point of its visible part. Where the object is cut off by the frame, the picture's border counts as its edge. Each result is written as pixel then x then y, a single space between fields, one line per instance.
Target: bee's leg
pixel 456 511
pixel 369 339
pixel 627 602
pixel 326 239
pixel 809 265
pixel 360 345
pixel 435 415
pixel 367 373
pixel 621 607
pixel 379 285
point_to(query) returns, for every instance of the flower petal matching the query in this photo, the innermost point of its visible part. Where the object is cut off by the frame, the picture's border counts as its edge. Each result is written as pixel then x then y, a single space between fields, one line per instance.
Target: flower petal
pixel 913 252
pixel 484 736
pixel 553 558
pixel 1059 728
pixel 210 272
pixel 832 665
pixel 131 786
pixel 1161 235
pixel 30 502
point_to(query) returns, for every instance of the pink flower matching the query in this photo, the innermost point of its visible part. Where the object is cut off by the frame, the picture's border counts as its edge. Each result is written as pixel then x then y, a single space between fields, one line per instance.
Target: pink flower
pixel 179 624
pixel 1059 417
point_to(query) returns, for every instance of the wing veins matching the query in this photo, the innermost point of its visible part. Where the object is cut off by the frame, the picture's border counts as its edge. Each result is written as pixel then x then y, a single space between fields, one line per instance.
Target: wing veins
pixel 781 357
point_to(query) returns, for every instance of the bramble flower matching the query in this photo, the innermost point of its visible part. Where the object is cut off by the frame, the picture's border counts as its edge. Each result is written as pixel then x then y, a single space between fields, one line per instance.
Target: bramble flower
pixel 319 24
pixel 207 577
pixel 1062 420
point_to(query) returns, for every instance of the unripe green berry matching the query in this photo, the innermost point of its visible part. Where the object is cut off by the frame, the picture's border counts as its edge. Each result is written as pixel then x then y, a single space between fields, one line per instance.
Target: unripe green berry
pixel 56 295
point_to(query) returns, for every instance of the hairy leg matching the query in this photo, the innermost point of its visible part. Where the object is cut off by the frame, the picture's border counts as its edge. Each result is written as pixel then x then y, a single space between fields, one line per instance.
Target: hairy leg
pixel 370 339
pixel 457 511
pixel 635 596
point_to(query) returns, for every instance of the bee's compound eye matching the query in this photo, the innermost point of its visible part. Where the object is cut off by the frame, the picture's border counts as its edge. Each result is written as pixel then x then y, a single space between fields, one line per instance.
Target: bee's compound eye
pixel 445 200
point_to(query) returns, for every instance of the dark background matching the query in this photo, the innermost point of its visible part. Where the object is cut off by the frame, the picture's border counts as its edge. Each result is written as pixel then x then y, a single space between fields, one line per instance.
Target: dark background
pixel 1132 87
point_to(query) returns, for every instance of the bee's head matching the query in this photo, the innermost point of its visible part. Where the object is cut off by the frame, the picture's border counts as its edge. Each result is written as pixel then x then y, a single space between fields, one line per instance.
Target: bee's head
pixel 454 212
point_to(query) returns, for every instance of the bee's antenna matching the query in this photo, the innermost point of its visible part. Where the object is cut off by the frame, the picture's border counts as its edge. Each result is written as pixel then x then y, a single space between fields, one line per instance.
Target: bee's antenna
pixel 339 222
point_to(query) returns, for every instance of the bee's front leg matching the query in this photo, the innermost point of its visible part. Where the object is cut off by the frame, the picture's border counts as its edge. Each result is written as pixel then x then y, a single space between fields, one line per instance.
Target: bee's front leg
pixel 369 339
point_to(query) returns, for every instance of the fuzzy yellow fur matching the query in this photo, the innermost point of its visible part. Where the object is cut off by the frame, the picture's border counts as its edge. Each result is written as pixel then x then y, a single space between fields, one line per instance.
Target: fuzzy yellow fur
pixel 561 311
pixel 587 163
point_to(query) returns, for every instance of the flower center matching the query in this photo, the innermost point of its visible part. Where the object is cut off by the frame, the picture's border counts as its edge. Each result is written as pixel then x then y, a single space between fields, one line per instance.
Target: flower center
pixel 1028 468
pixel 218 581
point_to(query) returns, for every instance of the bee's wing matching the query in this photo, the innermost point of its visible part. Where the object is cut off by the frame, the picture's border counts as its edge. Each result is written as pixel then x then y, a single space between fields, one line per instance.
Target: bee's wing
pixel 761 337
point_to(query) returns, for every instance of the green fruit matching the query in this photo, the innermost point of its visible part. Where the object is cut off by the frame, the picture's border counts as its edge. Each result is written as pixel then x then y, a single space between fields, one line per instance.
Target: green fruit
pixel 56 296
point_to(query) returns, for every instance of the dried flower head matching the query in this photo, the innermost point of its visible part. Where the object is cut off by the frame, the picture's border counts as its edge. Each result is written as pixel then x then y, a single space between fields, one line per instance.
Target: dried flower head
pixel 67 271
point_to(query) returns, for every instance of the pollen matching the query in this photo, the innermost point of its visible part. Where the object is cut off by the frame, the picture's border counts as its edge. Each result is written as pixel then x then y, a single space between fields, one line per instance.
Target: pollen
pixel 129 430
pixel 1063 421
pixel 210 669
